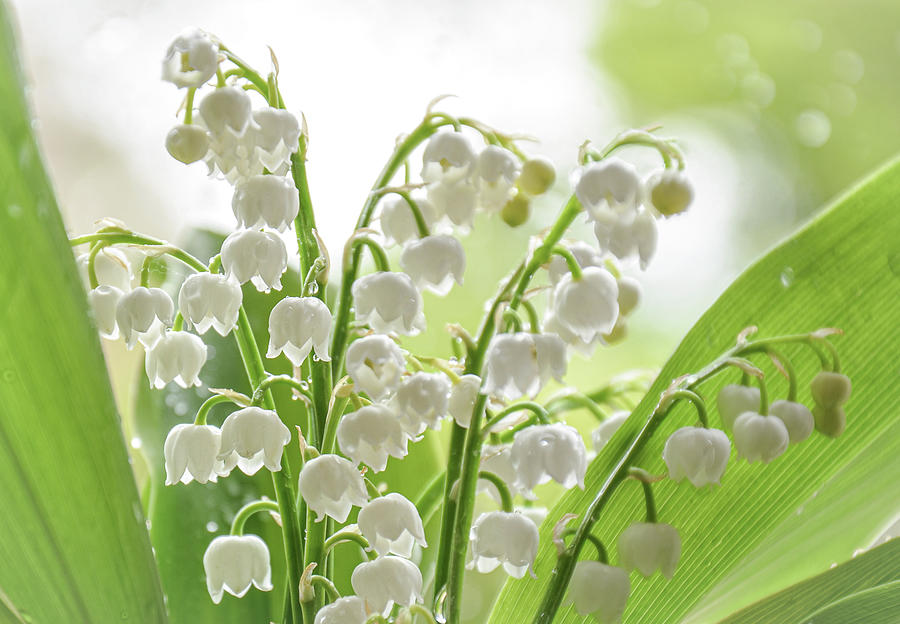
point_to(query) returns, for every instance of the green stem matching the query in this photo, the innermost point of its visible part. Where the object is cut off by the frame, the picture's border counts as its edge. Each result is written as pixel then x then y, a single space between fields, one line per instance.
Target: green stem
pixel 349 536
pixel 639 474
pixel 693 398
pixel 208 404
pixel 145 271
pixel 574 400
pixel 379 256
pixel 178 322
pixel 534 320
pixel 511 321
pixel 91 266
pixel 789 370
pixel 602 555
pixel 571 261
pixel 244 513
pixel 763 396
pixel 129 238
pixel 320 581
pixel 268 382
pixel 189 106
pixel 535 408
pixel 419 218
pixel 506 500
pixel 417 609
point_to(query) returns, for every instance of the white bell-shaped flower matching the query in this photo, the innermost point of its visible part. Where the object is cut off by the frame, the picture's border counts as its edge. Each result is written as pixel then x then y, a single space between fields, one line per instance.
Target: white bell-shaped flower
pixel 276 134
pixel 586 256
pixel 543 452
pixel 178 356
pixel 520 364
pixel 552 325
pixel 698 454
pixel 733 400
pixel 370 435
pixel 537 176
pixel 600 590
pixel 389 302
pixel 192 454
pixel 235 562
pixel 498 461
pixel 385 581
pixel 457 201
pixel 104 301
pixel 210 300
pixel 629 295
pixel 331 485
pixel 448 157
pixel 298 325
pixel 605 430
pixel 611 185
pixel 397 221
pixel 497 170
pixel 830 389
pixel 434 263
pixel 392 524
pixel 346 610
pixel 627 235
pixel 236 155
pixel 421 401
pixel 143 314
pixel 504 538
pixel 375 364
pixel 226 111
pixel 266 201
pixel 461 402
pixel 797 418
pixel 255 256
pixel 760 438
pixel 650 546
pixel 191 60
pixel 588 307
pixel 254 437
pixel 669 192
pixel 111 266
pixel 187 143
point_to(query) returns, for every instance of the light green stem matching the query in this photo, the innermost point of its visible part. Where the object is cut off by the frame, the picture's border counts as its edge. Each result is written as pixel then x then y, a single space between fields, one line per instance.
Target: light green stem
pixel 244 513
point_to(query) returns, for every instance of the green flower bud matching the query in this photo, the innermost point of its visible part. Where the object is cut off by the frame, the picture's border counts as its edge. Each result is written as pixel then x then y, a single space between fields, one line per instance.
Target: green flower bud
pixel 670 192
pixel 187 143
pixel 830 389
pixel 538 175
pixel 618 334
pixel 830 421
pixel 516 210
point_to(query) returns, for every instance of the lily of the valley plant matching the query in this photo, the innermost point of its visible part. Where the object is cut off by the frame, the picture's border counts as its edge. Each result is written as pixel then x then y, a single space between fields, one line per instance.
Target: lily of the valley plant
pixel 369 399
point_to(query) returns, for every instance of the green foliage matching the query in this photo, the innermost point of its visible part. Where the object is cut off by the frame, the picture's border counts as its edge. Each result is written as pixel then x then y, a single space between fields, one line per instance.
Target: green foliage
pixel 769 526
pixel 864 589
pixel 73 539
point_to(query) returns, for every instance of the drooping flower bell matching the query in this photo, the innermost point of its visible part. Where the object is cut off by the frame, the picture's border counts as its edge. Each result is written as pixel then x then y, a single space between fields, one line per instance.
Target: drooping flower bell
pixel 733 400
pixel 104 301
pixel 192 454
pixel 587 307
pixel 698 454
pixel 385 581
pixel 520 364
pixel 461 402
pixel 434 263
pixel 650 546
pixel 253 437
pixel 187 143
pixel 497 459
pixel 298 325
pixel 276 135
pixel 178 356
pixel 191 60
pixel 331 485
pixel 226 112
pixel 600 590
pixel 627 235
pixel 760 438
pixel 397 221
pixel 796 417
pixel 391 524
pixel 255 256
pixel 111 267
pixel 448 157
pixel 421 401
pixel 210 300
pixel 605 430
pixel 375 364
pixel 497 170
pixel 608 186
pixel 235 562
pixel 388 302
pixel 346 610
pixel 585 255
pixel 504 538
pixel 265 201
pixel 543 452
pixel 669 192
pixel 371 434
pixel 143 314
pixel 456 201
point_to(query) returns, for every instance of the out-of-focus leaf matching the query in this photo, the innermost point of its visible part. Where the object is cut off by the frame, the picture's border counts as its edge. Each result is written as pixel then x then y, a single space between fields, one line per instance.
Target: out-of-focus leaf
pixel 73 540
pixel 864 589
pixel 769 526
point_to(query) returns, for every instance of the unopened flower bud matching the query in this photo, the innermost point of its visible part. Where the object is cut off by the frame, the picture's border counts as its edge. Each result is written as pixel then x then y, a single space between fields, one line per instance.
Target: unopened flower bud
pixel 517 210
pixel 796 417
pixel 670 191
pixel 830 389
pixel 104 301
pixel 187 143
pixel 538 175
pixel 733 400
pixel 760 438
pixel 650 546
pixel 830 421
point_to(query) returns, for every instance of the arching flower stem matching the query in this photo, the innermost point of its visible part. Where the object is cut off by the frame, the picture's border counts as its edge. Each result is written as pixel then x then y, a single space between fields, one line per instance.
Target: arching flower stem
pixel 244 513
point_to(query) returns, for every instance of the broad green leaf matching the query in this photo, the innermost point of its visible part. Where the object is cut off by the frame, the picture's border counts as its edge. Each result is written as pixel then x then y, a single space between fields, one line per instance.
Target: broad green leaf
pixel 73 539
pixel 769 526
pixel 866 588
